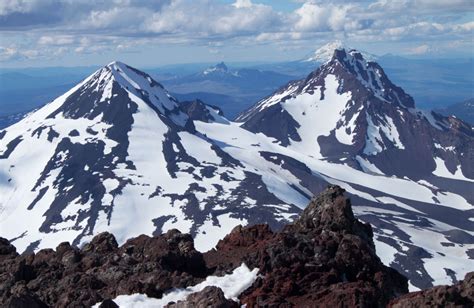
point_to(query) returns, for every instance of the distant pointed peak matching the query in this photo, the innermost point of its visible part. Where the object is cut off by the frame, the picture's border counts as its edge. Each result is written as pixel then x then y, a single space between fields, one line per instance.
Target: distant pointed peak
pixel 219 67
pixel 222 66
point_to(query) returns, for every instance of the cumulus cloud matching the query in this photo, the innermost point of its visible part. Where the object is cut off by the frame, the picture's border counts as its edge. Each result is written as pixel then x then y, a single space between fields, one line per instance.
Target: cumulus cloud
pixel 243 4
pixel 318 17
pixel 13 53
pixel 204 19
pixel 85 26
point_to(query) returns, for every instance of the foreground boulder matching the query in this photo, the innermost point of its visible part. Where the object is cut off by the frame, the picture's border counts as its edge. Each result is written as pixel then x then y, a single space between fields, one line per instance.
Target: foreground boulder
pixel 325 258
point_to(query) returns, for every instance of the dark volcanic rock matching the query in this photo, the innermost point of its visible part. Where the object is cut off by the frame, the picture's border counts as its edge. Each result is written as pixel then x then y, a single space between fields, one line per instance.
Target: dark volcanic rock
pixel 208 297
pixel 24 298
pixel 326 257
pixel 72 277
pixel 199 111
pixel 108 303
pixel 459 295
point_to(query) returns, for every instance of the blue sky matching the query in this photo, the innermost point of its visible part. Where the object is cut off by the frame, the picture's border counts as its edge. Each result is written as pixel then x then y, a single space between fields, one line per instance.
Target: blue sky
pixel 160 32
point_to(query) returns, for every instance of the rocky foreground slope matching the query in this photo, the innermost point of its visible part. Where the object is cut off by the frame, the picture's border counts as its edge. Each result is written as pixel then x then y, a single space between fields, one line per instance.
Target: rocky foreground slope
pixel 325 258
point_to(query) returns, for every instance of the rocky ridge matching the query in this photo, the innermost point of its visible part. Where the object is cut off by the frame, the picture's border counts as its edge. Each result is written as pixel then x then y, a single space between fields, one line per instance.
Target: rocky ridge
pixel 327 257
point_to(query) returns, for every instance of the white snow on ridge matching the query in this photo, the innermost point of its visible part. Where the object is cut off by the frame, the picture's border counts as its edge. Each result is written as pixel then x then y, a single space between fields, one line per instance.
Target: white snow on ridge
pixel 307 108
pixel 232 285
pixel 275 99
pixel 391 132
pixel 373 141
pixel 158 96
pixel 341 133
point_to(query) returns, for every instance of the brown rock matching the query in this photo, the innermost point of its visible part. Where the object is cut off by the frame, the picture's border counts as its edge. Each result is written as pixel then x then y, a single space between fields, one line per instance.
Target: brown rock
pixel 326 258
pixel 460 294
pixel 69 276
pixel 6 249
pixel 24 298
pixel 209 297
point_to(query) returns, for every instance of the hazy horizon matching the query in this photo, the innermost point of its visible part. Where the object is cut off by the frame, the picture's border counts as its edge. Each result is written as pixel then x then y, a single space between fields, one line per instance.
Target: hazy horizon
pixel 51 33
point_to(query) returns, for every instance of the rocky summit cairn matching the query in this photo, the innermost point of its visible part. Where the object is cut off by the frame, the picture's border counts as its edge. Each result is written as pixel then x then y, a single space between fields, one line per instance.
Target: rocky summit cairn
pixel 326 258
pixel 332 211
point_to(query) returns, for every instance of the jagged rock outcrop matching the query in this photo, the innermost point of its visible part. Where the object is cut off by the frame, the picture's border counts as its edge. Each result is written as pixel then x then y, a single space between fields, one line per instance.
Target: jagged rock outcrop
pixel 198 110
pixel 459 295
pixel 326 258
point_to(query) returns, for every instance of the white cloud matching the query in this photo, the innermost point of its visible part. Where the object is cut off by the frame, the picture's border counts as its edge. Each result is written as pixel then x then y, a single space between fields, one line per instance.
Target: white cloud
pixel 199 20
pixel 126 24
pixel 56 40
pixel 17 6
pixel 13 53
pixel 419 50
pixel 315 17
pixel 242 4
pixel 116 17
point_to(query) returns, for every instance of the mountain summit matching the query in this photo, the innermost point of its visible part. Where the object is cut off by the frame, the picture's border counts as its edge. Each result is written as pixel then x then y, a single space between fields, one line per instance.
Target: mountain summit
pixel 349 110
pixel 325 52
pixel 118 153
pixel 218 68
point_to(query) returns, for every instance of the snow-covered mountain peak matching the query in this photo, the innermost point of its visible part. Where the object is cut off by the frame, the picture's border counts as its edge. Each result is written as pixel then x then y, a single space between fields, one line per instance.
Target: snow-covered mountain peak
pixel 115 84
pixel 357 72
pixel 361 79
pixel 326 52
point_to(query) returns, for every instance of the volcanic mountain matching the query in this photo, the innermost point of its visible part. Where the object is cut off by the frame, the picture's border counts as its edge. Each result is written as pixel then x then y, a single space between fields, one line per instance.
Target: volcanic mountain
pixel 118 153
pixel 349 111
pixel 411 169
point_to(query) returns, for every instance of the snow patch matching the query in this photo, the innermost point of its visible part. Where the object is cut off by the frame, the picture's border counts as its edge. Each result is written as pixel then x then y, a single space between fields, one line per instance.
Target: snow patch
pixel 232 285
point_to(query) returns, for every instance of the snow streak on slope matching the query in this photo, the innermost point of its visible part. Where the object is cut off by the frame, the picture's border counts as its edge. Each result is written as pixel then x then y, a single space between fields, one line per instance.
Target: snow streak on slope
pixel 306 109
